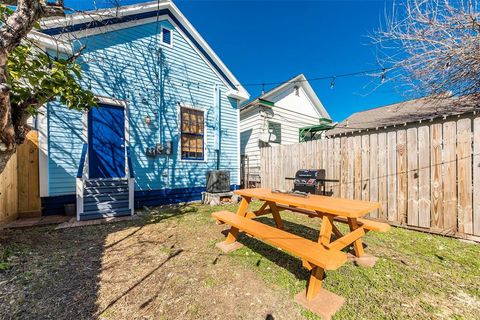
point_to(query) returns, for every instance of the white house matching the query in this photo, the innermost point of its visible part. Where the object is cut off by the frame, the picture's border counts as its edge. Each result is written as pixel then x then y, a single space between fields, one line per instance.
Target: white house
pixel 287 114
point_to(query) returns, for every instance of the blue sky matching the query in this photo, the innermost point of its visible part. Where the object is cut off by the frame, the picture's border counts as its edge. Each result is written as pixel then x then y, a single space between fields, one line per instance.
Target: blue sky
pixel 272 41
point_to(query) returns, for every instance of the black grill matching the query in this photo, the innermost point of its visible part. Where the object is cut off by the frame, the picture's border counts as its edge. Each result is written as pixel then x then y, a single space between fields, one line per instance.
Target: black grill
pixel 310 181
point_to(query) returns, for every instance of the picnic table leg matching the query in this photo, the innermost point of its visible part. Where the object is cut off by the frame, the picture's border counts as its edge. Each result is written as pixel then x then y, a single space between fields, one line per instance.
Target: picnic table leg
pixel 326 229
pixel 357 244
pixel 276 215
pixel 315 282
pixel 242 210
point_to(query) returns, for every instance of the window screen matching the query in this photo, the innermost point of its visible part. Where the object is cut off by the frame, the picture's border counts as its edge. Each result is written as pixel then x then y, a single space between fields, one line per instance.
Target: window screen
pixel 192 134
pixel 275 130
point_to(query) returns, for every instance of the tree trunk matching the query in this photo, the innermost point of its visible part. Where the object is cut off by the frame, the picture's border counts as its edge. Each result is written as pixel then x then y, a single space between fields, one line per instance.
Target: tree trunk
pixel 12 32
pixel 7 131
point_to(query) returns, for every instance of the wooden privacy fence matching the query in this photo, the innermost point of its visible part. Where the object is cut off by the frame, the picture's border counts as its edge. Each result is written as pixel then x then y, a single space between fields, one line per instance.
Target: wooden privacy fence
pixel 425 175
pixel 19 182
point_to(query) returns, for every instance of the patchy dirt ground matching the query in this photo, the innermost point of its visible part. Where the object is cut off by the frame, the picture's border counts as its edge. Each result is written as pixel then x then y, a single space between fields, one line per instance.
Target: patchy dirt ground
pixel 165 266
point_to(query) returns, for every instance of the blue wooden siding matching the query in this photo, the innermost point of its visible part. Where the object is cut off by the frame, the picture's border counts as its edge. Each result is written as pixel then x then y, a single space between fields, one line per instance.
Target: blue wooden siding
pixel 126 64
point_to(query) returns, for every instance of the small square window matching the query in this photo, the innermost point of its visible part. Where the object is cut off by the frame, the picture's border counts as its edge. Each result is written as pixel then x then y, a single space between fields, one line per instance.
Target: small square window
pixel 275 130
pixel 166 36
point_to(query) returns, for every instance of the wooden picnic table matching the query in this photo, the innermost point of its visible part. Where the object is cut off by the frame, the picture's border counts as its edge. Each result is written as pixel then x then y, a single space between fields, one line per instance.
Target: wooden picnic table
pixel 327 252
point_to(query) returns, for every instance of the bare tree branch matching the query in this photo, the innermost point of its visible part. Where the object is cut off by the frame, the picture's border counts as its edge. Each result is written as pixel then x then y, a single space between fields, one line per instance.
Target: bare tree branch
pixel 434 46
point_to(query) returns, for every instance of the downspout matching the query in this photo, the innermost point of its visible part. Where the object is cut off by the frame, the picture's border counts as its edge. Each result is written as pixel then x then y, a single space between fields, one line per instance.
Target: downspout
pixel 219 112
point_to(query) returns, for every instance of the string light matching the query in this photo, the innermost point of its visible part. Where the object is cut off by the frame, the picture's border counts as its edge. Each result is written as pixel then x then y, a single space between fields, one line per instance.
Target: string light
pixel 332 83
pixel 384 77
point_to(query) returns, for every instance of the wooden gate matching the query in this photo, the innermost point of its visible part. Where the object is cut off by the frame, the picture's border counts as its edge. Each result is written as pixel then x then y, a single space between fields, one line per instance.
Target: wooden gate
pixel 28 177
pixel 19 182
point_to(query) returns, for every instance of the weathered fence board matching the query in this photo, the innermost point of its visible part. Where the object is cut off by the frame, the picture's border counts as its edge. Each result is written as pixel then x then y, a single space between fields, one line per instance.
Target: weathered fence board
pixel 373 171
pixel 436 176
pixel 464 173
pixel 412 177
pixel 424 175
pixel 382 174
pixel 450 177
pixel 476 176
pixel 392 175
pixel 402 176
pixel 365 168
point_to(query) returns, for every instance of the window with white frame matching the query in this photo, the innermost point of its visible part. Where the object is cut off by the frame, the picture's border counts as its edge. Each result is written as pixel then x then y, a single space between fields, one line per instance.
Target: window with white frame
pixel 192 134
pixel 166 36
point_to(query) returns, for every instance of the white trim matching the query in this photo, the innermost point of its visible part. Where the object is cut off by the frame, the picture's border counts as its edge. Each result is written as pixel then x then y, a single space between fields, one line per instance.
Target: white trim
pixel 42 127
pixel 181 105
pixel 48 42
pixel 111 101
pixel 238 144
pixel 101 14
pixel 140 8
pixel 131 195
pixel 170 45
pixel 303 83
pixel 79 196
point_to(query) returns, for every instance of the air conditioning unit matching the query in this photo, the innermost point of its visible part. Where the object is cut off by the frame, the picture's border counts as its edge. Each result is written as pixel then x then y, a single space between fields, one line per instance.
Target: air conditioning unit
pixel 218 181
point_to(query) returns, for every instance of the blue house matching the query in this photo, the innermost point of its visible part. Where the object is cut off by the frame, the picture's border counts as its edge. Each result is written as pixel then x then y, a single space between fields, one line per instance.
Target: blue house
pixel 168 112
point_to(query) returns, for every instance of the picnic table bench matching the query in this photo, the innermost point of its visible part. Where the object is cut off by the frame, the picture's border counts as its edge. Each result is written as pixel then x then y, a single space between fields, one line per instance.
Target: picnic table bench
pixel 325 254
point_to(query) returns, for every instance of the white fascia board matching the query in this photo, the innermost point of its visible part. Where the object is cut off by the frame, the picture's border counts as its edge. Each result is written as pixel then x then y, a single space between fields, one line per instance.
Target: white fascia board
pixel 183 20
pixel 111 101
pixel 302 81
pixel 314 98
pixel 48 42
pixel 242 93
pixel 88 16
pixel 238 95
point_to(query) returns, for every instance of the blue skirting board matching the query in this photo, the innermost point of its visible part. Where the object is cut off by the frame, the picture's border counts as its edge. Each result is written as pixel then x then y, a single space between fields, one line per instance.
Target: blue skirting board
pixel 55 205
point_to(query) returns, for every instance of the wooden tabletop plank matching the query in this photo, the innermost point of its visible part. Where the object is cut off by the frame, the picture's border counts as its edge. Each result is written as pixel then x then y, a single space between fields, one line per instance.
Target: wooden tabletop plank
pixel 335 206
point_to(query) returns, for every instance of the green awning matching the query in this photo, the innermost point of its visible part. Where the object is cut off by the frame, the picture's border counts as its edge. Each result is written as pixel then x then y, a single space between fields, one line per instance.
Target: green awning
pixel 309 133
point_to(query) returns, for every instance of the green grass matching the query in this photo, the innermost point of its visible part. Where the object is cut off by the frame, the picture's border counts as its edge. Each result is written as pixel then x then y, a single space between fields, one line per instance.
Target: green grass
pixel 418 275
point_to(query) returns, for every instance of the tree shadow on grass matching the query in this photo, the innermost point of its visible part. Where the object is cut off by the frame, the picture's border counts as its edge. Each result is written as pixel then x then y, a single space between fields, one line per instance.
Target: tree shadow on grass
pixel 58 274
pixel 282 258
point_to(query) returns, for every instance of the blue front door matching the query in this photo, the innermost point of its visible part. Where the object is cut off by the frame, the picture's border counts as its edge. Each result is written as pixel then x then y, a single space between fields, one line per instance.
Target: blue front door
pixel 106 142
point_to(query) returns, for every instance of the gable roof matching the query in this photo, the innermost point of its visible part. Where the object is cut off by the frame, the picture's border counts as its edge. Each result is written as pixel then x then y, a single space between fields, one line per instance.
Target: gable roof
pixel 83 24
pixel 425 108
pixel 299 80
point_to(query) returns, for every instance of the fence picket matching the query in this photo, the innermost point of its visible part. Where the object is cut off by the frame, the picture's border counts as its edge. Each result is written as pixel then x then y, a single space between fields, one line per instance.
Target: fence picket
pixel 357 149
pixel 436 176
pixel 373 171
pixel 402 176
pixel 423 175
pixel 412 177
pixel 382 175
pixel 365 167
pixel 450 177
pixel 476 176
pixel 464 173
pixel 392 175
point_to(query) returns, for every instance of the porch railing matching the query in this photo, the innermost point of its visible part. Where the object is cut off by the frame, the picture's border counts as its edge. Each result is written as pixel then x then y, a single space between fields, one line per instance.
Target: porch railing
pixel 80 182
pixel 131 181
